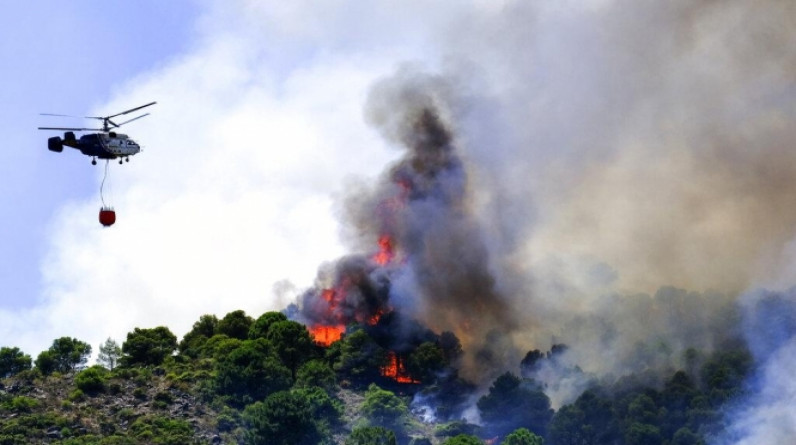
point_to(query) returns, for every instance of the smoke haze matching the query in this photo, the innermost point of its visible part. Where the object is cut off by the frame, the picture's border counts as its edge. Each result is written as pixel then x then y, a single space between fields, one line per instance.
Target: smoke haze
pixel 609 174
pixel 612 155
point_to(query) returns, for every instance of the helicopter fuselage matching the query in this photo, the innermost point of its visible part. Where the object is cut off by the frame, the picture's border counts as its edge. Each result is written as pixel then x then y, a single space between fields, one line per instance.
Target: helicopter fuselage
pixel 110 145
pixel 105 143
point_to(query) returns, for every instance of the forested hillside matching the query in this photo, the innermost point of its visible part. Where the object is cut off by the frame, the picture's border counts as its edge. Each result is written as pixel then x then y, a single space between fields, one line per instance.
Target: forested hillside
pixel 266 381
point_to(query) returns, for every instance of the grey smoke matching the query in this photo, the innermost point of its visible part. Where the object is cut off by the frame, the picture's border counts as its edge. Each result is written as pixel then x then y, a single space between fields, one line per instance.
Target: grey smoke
pixel 610 175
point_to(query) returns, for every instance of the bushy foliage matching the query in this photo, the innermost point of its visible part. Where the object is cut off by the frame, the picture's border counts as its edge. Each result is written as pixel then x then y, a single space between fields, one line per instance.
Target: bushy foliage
pixel 91 379
pixel 359 357
pixel 251 372
pixel 426 361
pixel 161 430
pixel 463 439
pixel 65 355
pixel 590 420
pixel 292 343
pixel 109 354
pixel 285 418
pixel 513 403
pixel 316 373
pixel 13 361
pixel 523 437
pixel 235 324
pixel 192 342
pixel 218 346
pixel 371 435
pixel 382 407
pixel 148 347
pixel 261 326
pixel 275 386
pixel 456 428
pixel 19 404
pixel 683 412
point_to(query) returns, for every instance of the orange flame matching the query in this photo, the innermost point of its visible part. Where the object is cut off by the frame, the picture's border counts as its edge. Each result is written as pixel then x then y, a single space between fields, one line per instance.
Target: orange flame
pixel 385 254
pixel 374 319
pixel 326 335
pixel 396 370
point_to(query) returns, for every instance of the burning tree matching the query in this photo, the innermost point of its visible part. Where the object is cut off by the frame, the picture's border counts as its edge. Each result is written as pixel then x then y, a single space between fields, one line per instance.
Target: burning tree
pixel 424 261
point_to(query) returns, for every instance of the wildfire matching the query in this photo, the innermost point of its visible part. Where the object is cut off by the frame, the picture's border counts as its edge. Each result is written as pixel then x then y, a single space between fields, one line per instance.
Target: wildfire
pixel 386 253
pixel 326 335
pixel 396 370
pixel 374 319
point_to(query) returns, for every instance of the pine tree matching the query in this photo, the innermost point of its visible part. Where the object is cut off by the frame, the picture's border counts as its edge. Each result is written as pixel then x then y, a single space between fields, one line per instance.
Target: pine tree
pixel 109 353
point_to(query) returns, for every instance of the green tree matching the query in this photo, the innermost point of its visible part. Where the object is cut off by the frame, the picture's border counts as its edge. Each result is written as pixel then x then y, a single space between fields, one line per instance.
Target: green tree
pixel 425 362
pixel 45 362
pixel 293 343
pixel 382 407
pixel 13 361
pixel 643 434
pixel 678 393
pixel 513 403
pixel 91 379
pixel 451 346
pixel 192 342
pixel 235 324
pixel 588 421
pixel 327 411
pixel 260 327
pixel 65 355
pixel 283 418
pixel 316 373
pixel 148 346
pixel 371 435
pixel 725 373
pixel 685 436
pixel 251 372
pixel 522 436
pixel 360 358
pixel 463 439
pixel 109 353
pixel 161 430
pixel 219 345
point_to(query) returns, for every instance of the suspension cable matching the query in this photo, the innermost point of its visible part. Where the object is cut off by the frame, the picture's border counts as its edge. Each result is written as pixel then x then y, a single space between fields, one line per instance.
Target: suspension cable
pixel 102 185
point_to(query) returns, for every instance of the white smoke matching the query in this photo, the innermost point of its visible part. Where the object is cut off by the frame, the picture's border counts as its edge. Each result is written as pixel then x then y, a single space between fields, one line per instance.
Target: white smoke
pixel 767 414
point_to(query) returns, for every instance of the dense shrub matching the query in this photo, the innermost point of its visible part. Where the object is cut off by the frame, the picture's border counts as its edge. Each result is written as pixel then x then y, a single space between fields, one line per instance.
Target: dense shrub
pixel 91 379
pixel 371 435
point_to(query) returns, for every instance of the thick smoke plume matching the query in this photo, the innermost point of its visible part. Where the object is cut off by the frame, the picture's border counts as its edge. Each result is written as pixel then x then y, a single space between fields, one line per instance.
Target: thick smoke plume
pixel 429 257
pixel 609 175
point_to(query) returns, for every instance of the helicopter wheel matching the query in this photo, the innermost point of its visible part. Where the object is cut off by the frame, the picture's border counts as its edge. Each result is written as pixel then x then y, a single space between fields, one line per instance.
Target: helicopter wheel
pixel 126 159
pixel 93 162
pixel 120 161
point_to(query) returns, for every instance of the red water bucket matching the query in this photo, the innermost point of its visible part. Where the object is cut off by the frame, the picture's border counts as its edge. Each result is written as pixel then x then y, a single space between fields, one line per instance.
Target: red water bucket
pixel 107 216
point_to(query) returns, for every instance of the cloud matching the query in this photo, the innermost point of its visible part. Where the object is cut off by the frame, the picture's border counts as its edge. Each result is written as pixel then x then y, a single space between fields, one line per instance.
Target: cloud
pixel 256 131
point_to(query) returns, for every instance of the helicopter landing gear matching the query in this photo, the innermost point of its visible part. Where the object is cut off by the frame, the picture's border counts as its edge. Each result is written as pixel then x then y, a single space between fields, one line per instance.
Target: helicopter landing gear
pixel 93 161
pixel 120 161
pixel 127 159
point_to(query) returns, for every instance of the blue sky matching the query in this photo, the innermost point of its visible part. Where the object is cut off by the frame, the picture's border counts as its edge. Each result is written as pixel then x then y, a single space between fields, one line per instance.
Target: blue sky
pixel 237 191
pixel 65 58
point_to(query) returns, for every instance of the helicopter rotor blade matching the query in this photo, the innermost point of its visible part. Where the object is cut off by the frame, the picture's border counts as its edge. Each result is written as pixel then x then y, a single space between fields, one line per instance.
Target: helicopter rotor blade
pixel 130 110
pixel 70 129
pixel 61 115
pixel 133 119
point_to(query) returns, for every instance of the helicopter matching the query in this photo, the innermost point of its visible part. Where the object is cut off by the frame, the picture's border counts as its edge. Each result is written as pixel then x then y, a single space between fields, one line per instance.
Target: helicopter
pixel 104 144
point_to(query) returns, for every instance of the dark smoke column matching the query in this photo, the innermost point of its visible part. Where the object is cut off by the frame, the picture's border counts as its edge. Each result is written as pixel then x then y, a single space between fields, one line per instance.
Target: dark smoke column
pixel 422 207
